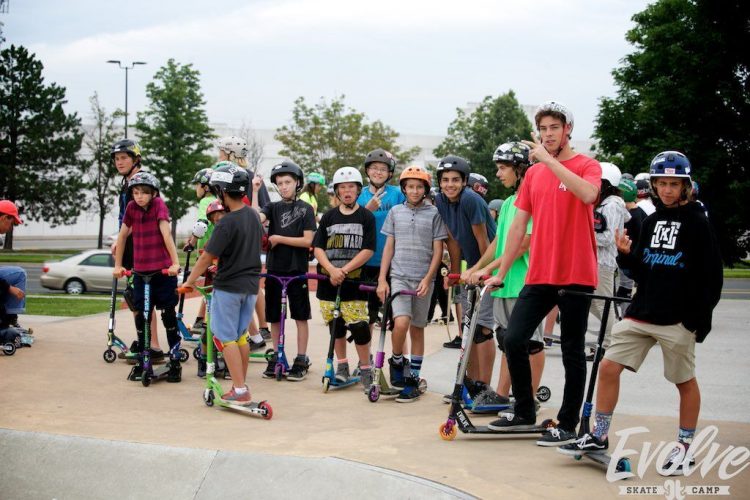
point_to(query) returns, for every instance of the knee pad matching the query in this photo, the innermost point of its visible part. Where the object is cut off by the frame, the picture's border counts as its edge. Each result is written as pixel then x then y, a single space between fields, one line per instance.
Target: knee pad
pixel 500 335
pixel 140 321
pixel 169 318
pixel 535 346
pixel 127 294
pixel 360 333
pixel 242 340
pixel 339 327
pixel 482 334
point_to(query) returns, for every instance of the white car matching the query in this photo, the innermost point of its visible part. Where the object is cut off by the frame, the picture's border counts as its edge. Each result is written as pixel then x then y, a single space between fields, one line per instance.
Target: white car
pixel 89 271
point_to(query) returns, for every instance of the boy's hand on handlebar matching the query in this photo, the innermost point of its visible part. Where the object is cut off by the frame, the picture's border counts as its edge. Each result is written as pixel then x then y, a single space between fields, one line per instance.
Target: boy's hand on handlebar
pixel 476 277
pixel 423 287
pixel 383 290
pixel 174 270
pixel 493 282
pixel 337 276
pixel 118 272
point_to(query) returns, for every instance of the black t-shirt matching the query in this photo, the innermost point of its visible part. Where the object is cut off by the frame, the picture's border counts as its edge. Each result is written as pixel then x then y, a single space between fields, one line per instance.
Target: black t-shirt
pixel 236 241
pixel 343 237
pixel 634 224
pixel 288 219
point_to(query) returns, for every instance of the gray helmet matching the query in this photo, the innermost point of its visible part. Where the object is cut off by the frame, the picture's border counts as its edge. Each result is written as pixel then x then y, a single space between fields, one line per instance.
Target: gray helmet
pixel 554 107
pixel 382 156
pixel 144 179
pixel 495 204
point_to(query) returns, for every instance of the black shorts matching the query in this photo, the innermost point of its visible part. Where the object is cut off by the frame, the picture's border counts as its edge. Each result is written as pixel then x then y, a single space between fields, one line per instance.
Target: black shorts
pixel 370 274
pixel 163 291
pixel 298 299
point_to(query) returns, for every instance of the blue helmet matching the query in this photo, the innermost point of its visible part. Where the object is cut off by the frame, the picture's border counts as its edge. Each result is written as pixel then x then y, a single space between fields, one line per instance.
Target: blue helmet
pixel 670 164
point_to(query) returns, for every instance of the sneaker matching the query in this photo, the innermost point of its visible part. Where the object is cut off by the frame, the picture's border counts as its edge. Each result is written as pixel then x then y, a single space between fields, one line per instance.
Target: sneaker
pixel 298 371
pixel 175 371
pixel 257 346
pixel 488 401
pixel 342 373
pixel 397 373
pixel 199 327
pixel 511 421
pixel 136 373
pixel 157 356
pixel 202 367
pixel 233 398
pixel 556 437
pixel 270 371
pixel 410 392
pixel 453 344
pixel 475 387
pixel 265 333
pixel 365 376
pixel 588 443
pixel 133 349
pixel 677 453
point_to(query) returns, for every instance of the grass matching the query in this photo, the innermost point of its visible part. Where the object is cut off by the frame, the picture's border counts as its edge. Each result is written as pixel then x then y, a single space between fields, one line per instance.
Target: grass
pixel 65 306
pixel 34 256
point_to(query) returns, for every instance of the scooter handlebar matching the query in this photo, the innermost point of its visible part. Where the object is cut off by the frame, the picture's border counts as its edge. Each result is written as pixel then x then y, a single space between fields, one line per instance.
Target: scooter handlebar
pixel 181 290
pixel 456 276
pixel 413 293
pixel 316 276
pixel 368 288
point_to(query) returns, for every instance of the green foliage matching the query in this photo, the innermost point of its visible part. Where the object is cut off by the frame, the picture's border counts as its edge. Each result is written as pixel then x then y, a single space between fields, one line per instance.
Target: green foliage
pixel 328 136
pixel 175 135
pixel 39 143
pixel 476 135
pixel 686 86
pixel 100 170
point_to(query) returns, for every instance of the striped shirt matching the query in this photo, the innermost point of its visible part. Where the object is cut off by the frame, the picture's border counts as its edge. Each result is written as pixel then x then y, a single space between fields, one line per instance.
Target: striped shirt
pixel 149 250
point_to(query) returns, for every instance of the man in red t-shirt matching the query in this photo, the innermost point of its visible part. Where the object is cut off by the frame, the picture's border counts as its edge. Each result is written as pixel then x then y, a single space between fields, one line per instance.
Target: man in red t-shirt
pixel 559 192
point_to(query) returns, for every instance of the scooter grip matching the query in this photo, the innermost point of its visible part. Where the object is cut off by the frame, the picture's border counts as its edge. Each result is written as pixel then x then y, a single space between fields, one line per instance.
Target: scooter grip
pixel 368 288
pixel 165 272
pixel 316 276
pixel 181 290
pixel 413 293
pixel 454 276
pixel 127 273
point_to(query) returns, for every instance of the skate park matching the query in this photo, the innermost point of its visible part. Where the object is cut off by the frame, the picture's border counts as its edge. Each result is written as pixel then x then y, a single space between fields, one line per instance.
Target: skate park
pixel 72 426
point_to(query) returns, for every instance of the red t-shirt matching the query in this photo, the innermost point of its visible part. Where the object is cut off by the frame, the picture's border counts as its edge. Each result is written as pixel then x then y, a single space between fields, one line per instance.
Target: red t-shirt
pixel 149 251
pixel 563 246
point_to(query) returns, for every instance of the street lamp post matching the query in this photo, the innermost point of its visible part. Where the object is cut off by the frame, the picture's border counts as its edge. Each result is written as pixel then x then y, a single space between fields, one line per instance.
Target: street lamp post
pixel 126 68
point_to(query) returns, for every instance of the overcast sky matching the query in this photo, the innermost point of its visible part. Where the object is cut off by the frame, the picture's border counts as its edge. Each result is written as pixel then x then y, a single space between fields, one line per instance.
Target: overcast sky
pixel 409 63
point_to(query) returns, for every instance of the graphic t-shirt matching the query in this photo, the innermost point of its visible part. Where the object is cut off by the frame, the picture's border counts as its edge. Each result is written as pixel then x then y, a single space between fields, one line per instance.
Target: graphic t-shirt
pixel 470 209
pixel 563 246
pixel 390 197
pixel 343 237
pixel 149 251
pixel 288 219
pixel 516 276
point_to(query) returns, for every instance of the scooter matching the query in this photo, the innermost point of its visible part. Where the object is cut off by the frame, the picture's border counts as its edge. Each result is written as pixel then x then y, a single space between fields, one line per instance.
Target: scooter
pixel 603 458
pixel 113 340
pixel 380 385
pixel 329 377
pixel 213 391
pixel 458 419
pixel 182 328
pixel 282 363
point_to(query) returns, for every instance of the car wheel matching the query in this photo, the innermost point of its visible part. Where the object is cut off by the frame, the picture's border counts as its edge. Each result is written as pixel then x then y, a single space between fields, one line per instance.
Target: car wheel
pixel 74 287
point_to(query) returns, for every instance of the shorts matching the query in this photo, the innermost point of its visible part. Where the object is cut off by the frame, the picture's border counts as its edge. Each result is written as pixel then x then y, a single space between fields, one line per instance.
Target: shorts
pixel 485 319
pixel 352 311
pixel 631 341
pixel 407 305
pixel 163 291
pixel 298 300
pixel 501 311
pixel 370 274
pixel 230 314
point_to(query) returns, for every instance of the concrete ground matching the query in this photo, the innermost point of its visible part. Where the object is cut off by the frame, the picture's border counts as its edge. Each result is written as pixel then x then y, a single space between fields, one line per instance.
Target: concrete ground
pixel 72 426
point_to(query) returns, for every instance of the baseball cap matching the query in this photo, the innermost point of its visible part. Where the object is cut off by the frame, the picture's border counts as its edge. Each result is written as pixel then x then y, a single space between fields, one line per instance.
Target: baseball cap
pixel 7 207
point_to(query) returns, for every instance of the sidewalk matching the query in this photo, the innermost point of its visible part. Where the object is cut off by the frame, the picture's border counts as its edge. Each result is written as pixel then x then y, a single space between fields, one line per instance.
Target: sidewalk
pixel 78 429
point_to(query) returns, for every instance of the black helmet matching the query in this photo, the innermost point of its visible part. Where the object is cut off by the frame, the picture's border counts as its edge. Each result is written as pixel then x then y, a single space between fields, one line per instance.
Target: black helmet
pixel 291 168
pixel 126 146
pixel 144 179
pixel 515 153
pixel 382 156
pixel 479 184
pixel 453 163
pixel 202 176
pixel 230 178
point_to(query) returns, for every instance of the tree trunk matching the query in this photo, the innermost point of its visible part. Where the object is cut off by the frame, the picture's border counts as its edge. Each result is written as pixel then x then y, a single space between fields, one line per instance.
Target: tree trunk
pixel 8 245
pixel 101 228
pixel 174 230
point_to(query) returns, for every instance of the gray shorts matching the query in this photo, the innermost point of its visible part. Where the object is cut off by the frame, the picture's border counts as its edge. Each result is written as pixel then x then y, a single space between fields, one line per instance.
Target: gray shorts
pixel 407 305
pixel 485 319
pixel 503 308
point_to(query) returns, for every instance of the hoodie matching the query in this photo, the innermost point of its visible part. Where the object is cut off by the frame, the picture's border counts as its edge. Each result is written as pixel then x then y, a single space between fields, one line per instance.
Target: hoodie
pixel 616 214
pixel 678 268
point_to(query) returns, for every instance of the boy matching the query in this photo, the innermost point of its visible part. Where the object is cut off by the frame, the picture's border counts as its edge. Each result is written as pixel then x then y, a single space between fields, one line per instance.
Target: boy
pixel 345 240
pixel 146 219
pixel 679 273
pixel 470 231
pixel 512 160
pixel 412 253
pixel 558 192
pixel 379 197
pixel 236 243
pixel 291 225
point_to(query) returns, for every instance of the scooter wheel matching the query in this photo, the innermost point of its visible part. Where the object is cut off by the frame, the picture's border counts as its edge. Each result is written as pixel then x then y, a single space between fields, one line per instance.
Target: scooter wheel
pixel 623 465
pixel 184 356
pixel 543 393
pixel 448 431
pixel 9 349
pixel 422 386
pixel 197 352
pixel 548 423
pixel 269 354
pixel 109 356
pixel 326 384
pixel 266 408
pixel 208 397
pixel 373 394
pixel 146 379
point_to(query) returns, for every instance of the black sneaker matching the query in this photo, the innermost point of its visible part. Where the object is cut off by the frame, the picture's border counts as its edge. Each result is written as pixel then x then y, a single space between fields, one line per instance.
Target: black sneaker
pixel 588 443
pixel 199 327
pixel 257 346
pixel 265 333
pixel 687 462
pixel 202 366
pixel 410 392
pixel 556 437
pixel 298 371
pixel 511 421
pixel 270 371
pixel 453 344
pixel 175 371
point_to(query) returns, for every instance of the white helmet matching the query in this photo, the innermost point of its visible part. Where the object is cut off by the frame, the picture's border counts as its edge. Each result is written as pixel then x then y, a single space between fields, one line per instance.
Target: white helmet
pixel 347 174
pixel 643 176
pixel 556 107
pixel 199 228
pixel 611 173
pixel 233 144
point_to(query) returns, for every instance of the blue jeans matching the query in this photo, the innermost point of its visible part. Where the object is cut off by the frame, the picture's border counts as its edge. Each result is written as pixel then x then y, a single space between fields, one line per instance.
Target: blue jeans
pixel 16 277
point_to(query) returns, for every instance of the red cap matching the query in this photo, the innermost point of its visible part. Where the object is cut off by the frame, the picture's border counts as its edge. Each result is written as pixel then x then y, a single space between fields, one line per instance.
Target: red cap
pixel 7 207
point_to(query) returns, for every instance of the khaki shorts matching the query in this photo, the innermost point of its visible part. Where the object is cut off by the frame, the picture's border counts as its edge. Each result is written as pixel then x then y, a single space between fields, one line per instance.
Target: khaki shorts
pixel 631 341
pixel 352 311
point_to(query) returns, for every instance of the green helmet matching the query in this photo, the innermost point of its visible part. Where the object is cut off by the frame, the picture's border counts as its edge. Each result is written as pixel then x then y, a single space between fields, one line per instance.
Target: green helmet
pixel 628 189
pixel 316 178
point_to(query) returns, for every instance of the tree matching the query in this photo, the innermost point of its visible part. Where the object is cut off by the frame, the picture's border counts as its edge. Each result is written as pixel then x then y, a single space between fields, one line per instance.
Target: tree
pixel 101 171
pixel 255 146
pixel 477 134
pixel 39 143
pixel 175 135
pixel 328 136
pixel 686 87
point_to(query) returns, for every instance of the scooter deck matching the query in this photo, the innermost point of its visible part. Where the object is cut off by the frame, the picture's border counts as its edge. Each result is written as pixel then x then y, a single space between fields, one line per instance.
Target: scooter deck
pixel 467 427
pixel 603 458
pixel 555 339
pixel 251 409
